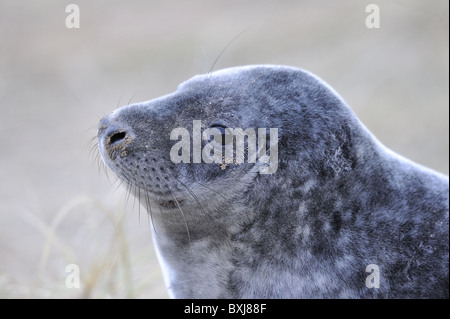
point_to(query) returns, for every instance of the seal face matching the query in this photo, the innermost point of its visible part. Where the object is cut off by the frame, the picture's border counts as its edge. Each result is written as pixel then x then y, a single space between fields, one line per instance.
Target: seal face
pixel 341 216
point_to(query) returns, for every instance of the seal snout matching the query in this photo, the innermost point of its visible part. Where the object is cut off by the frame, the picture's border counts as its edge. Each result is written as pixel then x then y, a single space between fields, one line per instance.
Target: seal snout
pixel 113 138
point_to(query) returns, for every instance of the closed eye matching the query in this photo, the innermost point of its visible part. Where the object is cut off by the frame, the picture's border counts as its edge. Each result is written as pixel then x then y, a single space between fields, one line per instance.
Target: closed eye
pixel 226 135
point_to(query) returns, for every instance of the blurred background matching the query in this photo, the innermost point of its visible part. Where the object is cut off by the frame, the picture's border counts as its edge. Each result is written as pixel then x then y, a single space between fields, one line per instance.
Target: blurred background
pixel 57 208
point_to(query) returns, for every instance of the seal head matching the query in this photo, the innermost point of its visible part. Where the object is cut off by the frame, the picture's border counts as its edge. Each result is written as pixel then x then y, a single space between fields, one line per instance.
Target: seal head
pixel 338 202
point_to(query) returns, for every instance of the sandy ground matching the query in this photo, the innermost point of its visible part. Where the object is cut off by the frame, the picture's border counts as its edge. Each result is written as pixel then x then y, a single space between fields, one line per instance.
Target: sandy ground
pixel 57 209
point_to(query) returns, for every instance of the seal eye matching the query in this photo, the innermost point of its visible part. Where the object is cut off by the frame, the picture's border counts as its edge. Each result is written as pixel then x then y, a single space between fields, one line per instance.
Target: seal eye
pixel 220 135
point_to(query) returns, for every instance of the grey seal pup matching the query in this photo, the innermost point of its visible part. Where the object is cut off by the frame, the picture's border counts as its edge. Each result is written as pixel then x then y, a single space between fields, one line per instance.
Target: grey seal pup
pixel 340 216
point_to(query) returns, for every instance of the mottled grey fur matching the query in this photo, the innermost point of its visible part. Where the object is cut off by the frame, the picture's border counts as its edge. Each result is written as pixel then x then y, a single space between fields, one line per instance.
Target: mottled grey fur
pixel 338 202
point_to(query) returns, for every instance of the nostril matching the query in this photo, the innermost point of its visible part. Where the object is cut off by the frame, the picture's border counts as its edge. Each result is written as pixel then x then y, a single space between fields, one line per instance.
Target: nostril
pixel 114 138
pixel 117 137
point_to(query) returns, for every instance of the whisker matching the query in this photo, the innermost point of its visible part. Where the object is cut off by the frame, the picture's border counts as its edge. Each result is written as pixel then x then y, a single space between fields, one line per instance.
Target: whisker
pixel 185 222
pixel 130 187
pixel 98 160
pixel 192 194
pixel 149 211
pixel 150 217
pixel 121 181
pixel 138 190
pixel 203 185
pixel 128 190
pixel 106 171
pixel 132 96
pixel 224 49
pixel 95 153
pixel 120 99
pixel 164 220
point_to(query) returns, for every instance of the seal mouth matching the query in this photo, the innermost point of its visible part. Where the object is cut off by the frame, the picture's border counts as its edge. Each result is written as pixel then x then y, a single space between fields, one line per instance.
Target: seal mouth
pixel 171 204
pixel 167 200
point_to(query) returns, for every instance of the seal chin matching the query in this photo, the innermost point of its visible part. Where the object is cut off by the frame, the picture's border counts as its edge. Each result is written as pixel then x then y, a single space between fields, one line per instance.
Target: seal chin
pixel 165 200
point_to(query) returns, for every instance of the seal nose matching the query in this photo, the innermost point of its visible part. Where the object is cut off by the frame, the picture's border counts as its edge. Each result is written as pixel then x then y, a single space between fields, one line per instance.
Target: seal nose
pixel 117 137
pixel 113 138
